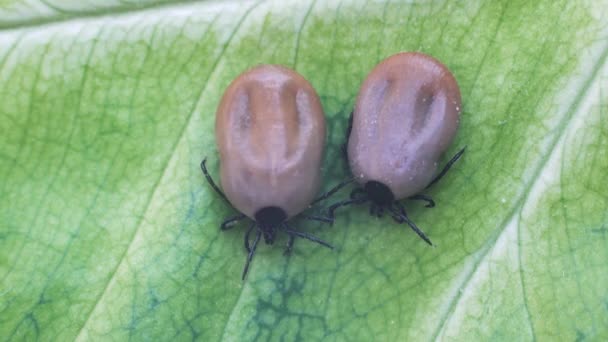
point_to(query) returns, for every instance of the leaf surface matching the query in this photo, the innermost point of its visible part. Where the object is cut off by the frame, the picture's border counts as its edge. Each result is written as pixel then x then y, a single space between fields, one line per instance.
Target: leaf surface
pixel 109 231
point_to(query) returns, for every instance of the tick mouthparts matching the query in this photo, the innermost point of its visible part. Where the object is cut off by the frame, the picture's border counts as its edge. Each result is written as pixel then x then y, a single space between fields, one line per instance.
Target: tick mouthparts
pixel 268 238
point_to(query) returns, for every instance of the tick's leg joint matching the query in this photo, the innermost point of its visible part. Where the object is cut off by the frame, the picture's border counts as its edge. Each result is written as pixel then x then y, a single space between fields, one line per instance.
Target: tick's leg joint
pixel 230 222
pixel 289 247
pixel 421 197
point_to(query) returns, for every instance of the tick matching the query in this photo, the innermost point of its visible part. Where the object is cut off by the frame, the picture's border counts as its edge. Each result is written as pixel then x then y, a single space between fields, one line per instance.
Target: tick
pixel 406 115
pixel 270 133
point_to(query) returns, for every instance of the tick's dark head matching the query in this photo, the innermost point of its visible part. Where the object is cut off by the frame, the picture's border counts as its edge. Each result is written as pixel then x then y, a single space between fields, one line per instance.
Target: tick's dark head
pixel 269 219
pixel 379 193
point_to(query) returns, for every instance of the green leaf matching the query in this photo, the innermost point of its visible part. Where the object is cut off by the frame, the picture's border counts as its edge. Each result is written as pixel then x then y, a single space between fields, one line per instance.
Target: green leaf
pixel 108 230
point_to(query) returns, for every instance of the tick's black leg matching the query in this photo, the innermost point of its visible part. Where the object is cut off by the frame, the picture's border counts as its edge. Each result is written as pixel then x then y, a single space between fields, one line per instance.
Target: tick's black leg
pixel 410 223
pixel 395 212
pixel 396 215
pixel 289 244
pixel 307 236
pixel 333 207
pixel 231 221
pixel 446 168
pixel 349 129
pixel 317 218
pixel 421 197
pixel 247 237
pixel 331 191
pixel 258 235
pixel 211 182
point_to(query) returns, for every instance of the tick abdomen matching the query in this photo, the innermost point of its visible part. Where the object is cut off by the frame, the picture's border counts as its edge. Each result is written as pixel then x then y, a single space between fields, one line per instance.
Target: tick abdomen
pixel 405 117
pixel 270 131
